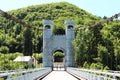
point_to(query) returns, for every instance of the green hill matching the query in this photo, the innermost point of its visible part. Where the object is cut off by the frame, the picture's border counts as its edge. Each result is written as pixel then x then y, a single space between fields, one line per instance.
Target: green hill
pixel 58 12
pixel 34 15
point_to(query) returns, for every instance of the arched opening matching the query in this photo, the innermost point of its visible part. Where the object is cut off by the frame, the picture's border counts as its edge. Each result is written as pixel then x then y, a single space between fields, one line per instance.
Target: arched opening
pixel 58 60
pixel 70 27
pixel 47 27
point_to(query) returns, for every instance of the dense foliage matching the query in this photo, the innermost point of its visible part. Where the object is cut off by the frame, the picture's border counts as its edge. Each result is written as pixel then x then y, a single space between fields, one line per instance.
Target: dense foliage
pixel 58 56
pixel 13 35
pixel 7 63
pixel 99 47
pixel 95 48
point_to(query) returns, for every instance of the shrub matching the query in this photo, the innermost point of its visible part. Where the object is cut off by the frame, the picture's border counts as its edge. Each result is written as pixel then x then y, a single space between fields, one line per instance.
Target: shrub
pixel 4 49
pixel 58 56
pixel 86 65
pixel 96 66
pixel 118 67
pixel 106 68
pixel 38 56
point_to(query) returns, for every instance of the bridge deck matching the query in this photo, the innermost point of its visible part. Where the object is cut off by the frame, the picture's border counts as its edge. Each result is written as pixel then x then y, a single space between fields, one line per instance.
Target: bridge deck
pixel 59 75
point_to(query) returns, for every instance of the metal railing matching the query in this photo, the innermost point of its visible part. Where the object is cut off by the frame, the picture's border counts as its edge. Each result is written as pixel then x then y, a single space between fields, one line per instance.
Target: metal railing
pixel 94 74
pixel 28 74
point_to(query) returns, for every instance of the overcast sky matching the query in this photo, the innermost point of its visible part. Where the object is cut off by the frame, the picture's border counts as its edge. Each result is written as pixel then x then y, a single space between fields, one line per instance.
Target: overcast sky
pixel 96 7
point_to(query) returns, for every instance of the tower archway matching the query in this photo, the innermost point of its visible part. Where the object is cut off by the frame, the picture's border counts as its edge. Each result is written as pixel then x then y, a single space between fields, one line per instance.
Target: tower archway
pixel 60 43
pixel 58 59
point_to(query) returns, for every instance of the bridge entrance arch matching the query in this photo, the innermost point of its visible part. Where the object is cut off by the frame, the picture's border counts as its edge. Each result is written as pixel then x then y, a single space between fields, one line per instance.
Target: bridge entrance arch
pixel 58 58
pixel 53 43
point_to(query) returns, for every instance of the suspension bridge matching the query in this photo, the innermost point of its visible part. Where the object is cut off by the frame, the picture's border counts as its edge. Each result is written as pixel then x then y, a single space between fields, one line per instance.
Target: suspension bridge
pixel 67 70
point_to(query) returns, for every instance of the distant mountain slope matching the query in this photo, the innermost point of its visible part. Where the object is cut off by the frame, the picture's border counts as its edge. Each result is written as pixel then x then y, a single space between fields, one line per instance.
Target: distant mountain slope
pixel 59 12
pixel 34 15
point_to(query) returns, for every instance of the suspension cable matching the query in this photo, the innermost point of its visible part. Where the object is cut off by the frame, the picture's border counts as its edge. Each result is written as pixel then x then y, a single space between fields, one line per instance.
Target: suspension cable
pixel 101 22
pixel 8 16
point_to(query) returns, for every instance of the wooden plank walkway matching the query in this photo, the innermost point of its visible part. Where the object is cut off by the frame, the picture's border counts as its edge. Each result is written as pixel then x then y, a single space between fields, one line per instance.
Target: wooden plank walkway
pixel 59 75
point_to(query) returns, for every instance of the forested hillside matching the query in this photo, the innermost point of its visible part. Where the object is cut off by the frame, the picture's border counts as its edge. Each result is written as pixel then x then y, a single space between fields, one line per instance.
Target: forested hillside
pixel 95 48
pixel 99 47
pixel 11 33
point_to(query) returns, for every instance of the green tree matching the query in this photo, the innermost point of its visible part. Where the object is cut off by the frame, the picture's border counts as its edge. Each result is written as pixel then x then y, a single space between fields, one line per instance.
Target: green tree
pixel 28 42
pixel 4 49
pixel 103 55
pixel 58 56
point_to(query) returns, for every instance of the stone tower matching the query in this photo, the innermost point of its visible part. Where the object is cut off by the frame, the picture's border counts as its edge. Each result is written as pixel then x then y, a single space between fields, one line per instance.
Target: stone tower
pixel 47 35
pixel 51 43
pixel 69 38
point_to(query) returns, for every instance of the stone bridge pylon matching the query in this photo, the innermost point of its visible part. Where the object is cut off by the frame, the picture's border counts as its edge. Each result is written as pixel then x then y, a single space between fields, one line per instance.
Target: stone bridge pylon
pixel 52 43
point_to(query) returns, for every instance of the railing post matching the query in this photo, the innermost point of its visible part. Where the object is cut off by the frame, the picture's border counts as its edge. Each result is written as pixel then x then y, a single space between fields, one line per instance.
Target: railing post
pixel 22 77
pixel 88 76
pixel 114 77
pixel 105 78
pixel 8 77
pixel 99 77
pixel 94 76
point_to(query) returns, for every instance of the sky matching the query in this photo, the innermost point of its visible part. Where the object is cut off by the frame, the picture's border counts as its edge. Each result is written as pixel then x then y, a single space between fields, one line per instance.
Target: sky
pixel 96 7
